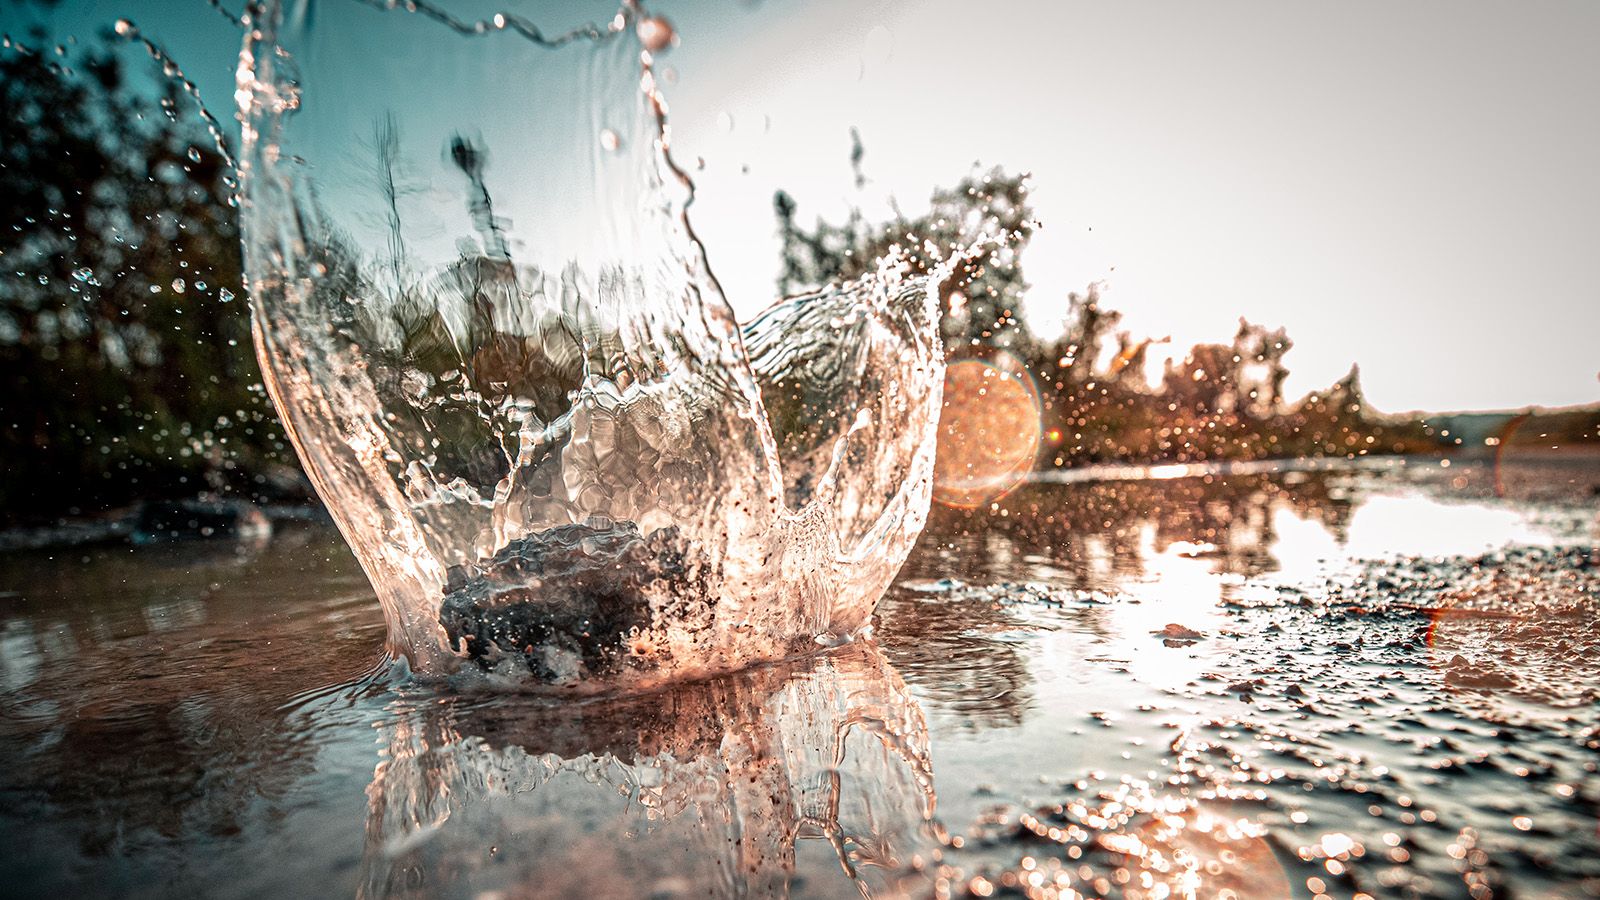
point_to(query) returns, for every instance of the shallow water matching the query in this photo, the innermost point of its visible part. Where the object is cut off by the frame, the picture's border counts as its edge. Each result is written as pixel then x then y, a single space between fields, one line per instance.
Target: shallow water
pixel 1275 683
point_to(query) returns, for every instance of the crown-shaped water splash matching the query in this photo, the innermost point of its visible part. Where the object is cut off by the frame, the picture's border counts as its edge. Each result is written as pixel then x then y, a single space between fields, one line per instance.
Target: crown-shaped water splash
pixel 503 359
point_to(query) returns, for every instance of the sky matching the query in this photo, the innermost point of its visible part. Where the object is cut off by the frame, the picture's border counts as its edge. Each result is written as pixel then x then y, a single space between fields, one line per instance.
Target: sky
pixel 1407 186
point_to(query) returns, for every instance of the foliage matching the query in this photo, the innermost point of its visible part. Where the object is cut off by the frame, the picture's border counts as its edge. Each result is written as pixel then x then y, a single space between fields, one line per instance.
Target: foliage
pixel 1220 401
pixel 982 299
pixel 126 368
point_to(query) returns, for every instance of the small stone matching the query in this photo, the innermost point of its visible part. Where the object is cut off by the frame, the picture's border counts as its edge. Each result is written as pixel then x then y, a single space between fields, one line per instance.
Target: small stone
pixel 571 602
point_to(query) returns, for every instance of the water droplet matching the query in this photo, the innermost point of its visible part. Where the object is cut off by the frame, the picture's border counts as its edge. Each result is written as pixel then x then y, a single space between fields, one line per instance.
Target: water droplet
pixel 178 285
pixel 83 274
pixel 125 27
pixel 610 140
pixel 224 295
pixel 194 154
pixel 655 33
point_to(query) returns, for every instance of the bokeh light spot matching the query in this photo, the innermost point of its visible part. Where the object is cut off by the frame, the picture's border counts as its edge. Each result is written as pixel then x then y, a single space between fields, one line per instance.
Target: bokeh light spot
pixel 989 431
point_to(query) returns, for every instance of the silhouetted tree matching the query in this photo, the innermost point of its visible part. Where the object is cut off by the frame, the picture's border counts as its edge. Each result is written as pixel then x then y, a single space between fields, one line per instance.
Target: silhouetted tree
pixel 1218 401
pixel 982 298
pixel 126 368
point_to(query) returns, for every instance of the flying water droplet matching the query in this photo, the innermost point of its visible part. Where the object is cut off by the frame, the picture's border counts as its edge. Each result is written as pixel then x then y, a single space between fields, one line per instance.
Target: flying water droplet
pixel 655 33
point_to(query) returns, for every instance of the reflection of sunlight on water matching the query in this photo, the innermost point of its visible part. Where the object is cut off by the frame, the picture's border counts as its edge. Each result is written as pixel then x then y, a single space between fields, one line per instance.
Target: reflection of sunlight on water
pixel 1415 525
pixel 1174 470
pixel 1243 671
pixel 1385 526
pixel 1304 546
pixel 1136 840
pixel 1178 588
pixel 1189 583
pixel 1214 855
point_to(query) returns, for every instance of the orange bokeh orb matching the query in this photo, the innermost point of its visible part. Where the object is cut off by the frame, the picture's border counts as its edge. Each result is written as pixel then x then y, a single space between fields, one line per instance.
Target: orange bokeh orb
pixel 989 431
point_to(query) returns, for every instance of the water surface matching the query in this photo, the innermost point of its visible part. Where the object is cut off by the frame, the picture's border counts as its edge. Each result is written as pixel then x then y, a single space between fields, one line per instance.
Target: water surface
pixel 1376 680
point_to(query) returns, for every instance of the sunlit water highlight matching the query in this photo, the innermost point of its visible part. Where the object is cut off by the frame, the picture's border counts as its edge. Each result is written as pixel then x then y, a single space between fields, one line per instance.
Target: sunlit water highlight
pixel 1420 723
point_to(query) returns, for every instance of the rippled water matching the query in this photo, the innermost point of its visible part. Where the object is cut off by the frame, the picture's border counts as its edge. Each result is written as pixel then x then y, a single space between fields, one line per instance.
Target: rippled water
pixel 212 719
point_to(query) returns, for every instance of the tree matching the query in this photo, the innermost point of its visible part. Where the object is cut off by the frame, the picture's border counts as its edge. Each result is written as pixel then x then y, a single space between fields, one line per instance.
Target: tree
pixel 1218 401
pixel 126 368
pixel 982 225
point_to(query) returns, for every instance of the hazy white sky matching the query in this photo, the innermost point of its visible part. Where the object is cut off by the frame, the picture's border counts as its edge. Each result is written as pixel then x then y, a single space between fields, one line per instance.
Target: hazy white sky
pixel 1411 186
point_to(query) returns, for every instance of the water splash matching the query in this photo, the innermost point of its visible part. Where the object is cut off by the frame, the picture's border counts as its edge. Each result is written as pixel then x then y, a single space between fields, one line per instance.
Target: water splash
pixel 497 346
pixel 127 30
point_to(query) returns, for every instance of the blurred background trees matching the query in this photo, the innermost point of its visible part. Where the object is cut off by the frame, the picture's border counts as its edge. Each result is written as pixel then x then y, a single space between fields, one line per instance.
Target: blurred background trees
pixel 1098 402
pixel 127 371
pixel 126 368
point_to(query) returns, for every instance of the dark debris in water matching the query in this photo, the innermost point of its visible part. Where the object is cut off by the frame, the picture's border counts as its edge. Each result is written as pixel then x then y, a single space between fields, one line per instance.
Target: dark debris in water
pixel 568 603
pixel 1017 593
pixel 1175 634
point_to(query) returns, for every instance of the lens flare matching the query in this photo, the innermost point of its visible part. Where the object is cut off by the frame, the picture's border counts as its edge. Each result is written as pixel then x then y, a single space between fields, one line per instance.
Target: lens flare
pixel 989 431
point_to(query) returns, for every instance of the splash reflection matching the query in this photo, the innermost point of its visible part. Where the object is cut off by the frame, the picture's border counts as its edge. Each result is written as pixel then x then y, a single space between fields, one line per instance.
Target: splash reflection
pixel 731 786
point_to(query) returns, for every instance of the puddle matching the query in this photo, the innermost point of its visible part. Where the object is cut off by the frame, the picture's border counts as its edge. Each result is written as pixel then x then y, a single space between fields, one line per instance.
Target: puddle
pixel 1382 682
